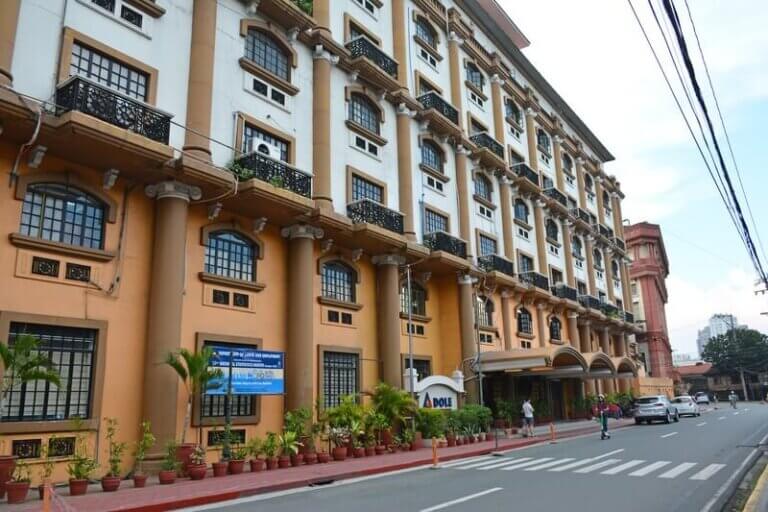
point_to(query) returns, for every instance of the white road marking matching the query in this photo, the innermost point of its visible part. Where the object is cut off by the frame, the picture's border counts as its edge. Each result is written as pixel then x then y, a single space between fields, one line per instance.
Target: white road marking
pixel 701 424
pixel 585 461
pixel 505 463
pixel 721 418
pixel 669 435
pixel 707 472
pixel 525 464
pixel 622 467
pixel 595 467
pixel 735 414
pixel 745 410
pixel 650 468
pixel 483 463
pixel 465 461
pixel 749 459
pixel 549 464
pixel 677 470
pixel 460 500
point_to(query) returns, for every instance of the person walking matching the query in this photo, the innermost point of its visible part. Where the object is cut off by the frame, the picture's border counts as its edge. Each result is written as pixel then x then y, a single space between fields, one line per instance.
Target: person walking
pixel 732 397
pixel 602 410
pixel 528 411
pixel 714 397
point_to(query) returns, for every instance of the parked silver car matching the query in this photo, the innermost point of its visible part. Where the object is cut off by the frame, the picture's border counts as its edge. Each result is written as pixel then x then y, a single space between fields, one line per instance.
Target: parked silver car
pixel 655 407
pixel 686 406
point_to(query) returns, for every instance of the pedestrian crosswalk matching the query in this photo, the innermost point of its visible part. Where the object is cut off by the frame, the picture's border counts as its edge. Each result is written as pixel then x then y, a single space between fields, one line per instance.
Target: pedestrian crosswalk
pixel 604 464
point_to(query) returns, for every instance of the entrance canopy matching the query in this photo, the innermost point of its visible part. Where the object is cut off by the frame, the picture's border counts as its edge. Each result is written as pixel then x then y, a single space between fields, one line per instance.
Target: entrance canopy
pixel 556 362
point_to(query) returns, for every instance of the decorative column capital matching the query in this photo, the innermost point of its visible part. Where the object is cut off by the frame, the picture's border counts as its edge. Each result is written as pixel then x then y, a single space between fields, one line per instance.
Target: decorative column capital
pixel 320 53
pixel 302 231
pixel 403 110
pixel 453 37
pixel 530 112
pixel 496 79
pixel 573 316
pixel 466 279
pixel 557 139
pixel 173 189
pixel 540 306
pixel 388 259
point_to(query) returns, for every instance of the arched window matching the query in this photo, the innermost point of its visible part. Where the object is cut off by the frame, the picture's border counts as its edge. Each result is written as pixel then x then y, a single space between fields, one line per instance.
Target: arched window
pixel 483 187
pixel 264 50
pixel 553 232
pixel 606 202
pixel 524 321
pixel 598 256
pixel 338 281
pixel 418 299
pixel 363 112
pixel 542 139
pixel 513 112
pixel 615 269
pixel 588 184
pixel 229 254
pixel 522 212
pixel 567 163
pixel 484 311
pixel 425 31
pixel 431 155
pixel 577 247
pixel 475 76
pixel 555 329
pixel 61 213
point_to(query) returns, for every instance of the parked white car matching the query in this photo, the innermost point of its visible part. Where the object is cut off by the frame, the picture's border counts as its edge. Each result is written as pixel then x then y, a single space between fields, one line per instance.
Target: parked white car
pixel 702 398
pixel 686 406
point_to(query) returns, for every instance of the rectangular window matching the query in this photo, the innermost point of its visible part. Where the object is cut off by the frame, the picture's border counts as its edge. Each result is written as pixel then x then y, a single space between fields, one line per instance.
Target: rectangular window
pixel 487 245
pixel 131 16
pixel 486 338
pixel 557 276
pixel 581 286
pixel 256 139
pixel 72 351
pixel 215 406
pixel 105 70
pixel 365 189
pixel 525 344
pixel 434 221
pixel 423 366
pixel 341 372
pixel 525 263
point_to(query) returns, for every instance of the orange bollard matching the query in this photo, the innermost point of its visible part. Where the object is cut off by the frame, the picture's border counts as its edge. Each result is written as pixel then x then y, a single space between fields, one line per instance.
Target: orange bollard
pixel 47 496
pixel 435 459
pixel 552 439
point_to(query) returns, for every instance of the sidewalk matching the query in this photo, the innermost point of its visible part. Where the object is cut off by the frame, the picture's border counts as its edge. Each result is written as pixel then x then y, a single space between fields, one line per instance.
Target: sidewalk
pixel 185 493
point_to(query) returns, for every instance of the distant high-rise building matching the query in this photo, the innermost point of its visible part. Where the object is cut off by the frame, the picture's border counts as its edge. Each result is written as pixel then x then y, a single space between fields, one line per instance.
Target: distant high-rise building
pixel 719 324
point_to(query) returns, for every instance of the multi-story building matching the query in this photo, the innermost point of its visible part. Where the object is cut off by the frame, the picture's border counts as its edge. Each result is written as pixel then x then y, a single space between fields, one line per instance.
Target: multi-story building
pixel 648 274
pixel 719 324
pixel 189 172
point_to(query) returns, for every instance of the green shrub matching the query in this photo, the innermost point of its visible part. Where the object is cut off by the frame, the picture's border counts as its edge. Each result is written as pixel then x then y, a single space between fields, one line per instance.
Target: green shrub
pixel 430 422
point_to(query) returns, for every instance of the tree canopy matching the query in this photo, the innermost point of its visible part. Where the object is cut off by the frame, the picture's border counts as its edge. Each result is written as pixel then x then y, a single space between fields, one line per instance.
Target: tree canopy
pixel 738 349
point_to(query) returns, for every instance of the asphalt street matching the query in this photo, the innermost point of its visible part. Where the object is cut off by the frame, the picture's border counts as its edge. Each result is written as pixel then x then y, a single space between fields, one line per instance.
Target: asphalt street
pixel 679 467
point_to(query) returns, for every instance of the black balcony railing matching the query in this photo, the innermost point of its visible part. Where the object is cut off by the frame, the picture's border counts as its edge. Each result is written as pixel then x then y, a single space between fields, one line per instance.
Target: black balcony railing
pixel 558 196
pixel 535 279
pixel 442 241
pixel 486 141
pixel 90 98
pixel 588 301
pixel 372 212
pixel 609 309
pixel 494 262
pixel 565 292
pixel 619 243
pixel 362 47
pixel 581 214
pixel 524 171
pixel 275 172
pixel 435 101
pixel 629 317
pixel 606 231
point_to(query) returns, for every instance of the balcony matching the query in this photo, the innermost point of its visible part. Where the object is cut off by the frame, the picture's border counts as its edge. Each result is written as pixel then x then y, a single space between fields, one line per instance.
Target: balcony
pixel 371 212
pixel 535 279
pixel 590 302
pixel 605 231
pixel 629 317
pixel 618 242
pixel 484 140
pixel 565 292
pixel 556 196
pixel 82 95
pixel 526 174
pixel 495 263
pixel 373 64
pixel 275 172
pixel 609 310
pixel 442 241
pixel 437 111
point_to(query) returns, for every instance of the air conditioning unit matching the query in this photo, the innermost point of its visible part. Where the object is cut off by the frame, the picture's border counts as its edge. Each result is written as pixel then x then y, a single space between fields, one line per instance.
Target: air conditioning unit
pixel 265 148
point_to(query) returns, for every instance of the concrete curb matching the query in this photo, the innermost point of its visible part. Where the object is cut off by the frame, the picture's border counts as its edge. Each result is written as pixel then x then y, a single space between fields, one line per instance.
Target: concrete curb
pixel 758 500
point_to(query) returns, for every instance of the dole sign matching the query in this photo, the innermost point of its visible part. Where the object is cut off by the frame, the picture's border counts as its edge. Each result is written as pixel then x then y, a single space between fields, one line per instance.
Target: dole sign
pixel 437 391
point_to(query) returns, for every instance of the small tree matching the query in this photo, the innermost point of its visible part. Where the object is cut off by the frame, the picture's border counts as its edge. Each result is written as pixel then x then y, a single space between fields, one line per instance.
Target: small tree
pixel 394 404
pixel 195 372
pixel 23 363
pixel 116 448
pixel 145 442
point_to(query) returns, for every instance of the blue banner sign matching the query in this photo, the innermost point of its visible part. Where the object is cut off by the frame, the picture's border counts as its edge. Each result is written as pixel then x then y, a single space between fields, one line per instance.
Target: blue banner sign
pixel 248 371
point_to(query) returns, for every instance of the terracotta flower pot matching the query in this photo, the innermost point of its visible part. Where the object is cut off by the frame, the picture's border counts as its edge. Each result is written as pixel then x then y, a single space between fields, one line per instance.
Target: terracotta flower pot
pixel 297 459
pixel 219 468
pixel 78 487
pixel 183 453
pixel 323 457
pixel 386 437
pixel 17 492
pixel 273 463
pixel 110 483
pixel 339 453
pixel 358 452
pixel 41 491
pixel 257 465
pixel 310 458
pixel 284 461
pixel 7 465
pixel 236 467
pixel 380 449
pixel 197 471
pixel 166 477
pixel 370 451
pixel 442 443
pixel 489 436
pixel 140 480
pixel 451 441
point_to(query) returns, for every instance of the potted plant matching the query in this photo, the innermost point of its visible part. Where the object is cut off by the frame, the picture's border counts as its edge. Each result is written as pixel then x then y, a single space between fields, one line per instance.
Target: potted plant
pixel 356 437
pixel 430 423
pixel 254 447
pixel 394 404
pixel 170 464
pixel 407 439
pixel 193 369
pixel 111 481
pixel 45 469
pixel 81 466
pixel 289 450
pixel 22 363
pixel 18 485
pixel 145 442
pixel 452 427
pixel 299 421
pixel 236 464
pixel 339 436
pixel 270 448
pixel 197 467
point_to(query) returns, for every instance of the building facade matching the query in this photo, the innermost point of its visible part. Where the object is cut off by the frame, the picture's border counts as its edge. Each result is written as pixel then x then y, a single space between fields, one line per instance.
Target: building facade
pixel 193 172
pixel 648 273
pixel 719 324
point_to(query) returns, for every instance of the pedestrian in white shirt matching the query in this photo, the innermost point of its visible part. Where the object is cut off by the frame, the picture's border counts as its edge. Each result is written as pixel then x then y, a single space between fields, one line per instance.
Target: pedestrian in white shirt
pixel 528 418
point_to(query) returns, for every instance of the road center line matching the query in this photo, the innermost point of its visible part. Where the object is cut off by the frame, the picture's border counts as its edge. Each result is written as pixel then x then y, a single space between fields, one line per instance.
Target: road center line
pixel 721 418
pixel 701 424
pixel 461 500
pixel 585 461
pixel 669 435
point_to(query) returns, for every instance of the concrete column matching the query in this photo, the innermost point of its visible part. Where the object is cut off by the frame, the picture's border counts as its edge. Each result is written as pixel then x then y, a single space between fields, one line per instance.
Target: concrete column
pixel 388 316
pixel 467 332
pixel 590 265
pixel 498 110
pixel 541 321
pixel 507 226
pixel 399 40
pixel 541 246
pixel 585 336
pixel 462 191
pixel 573 331
pixel 321 127
pixel 625 286
pixel 570 278
pixel 454 66
pixel 618 345
pixel 605 341
pixel 300 345
pixel 165 303
pixel 557 150
pixel 609 386
pixel 608 263
pixel 599 197
pixel 530 129
pixel 405 179
pixel 507 318
pixel 200 85
pixel 618 226
pixel 580 182
pixel 321 11
pixel 624 385
pixel 9 21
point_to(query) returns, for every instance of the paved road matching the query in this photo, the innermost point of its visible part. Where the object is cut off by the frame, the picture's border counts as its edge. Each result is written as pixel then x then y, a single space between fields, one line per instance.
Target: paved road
pixel 678 467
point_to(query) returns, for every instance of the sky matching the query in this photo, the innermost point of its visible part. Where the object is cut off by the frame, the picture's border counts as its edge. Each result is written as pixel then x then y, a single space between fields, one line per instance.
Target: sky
pixel 594 54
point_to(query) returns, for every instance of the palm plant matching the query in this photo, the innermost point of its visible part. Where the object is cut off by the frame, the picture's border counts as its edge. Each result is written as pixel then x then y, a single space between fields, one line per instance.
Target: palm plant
pixel 392 403
pixel 195 372
pixel 22 363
